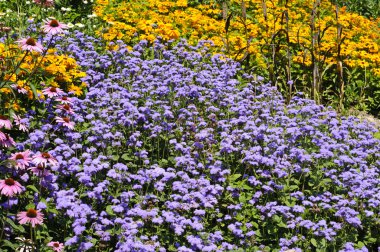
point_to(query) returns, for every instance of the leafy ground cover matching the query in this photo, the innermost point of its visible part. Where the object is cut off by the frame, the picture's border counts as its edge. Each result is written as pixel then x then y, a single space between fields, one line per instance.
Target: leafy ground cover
pixel 171 147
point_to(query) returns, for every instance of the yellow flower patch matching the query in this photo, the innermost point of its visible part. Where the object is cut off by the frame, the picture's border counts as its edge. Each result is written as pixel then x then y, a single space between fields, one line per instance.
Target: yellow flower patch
pixel 35 73
pixel 170 19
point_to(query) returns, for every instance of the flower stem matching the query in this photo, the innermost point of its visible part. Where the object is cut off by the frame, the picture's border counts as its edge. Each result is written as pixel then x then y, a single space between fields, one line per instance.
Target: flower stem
pixel 6 216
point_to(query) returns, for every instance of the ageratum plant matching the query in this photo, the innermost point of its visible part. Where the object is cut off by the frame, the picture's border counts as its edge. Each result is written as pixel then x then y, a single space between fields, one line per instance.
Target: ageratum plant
pixel 178 150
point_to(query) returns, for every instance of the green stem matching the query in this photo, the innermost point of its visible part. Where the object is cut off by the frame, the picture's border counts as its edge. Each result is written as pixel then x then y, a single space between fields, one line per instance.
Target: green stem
pixel 18 65
pixel 6 216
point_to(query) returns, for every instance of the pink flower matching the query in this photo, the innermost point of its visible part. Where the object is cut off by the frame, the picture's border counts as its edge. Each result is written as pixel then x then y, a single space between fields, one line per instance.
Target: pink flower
pixel 6 141
pixel 40 170
pixel 65 122
pixel 52 92
pixel 22 159
pixel 67 108
pixel 58 247
pixel 30 44
pixel 53 27
pixel 45 3
pixel 2 136
pixel 64 100
pixel 19 122
pixel 19 89
pixel 35 217
pixel 44 158
pixel 10 187
pixel 5 122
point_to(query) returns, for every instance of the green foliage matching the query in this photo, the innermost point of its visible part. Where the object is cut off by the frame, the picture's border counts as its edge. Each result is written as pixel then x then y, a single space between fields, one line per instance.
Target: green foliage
pixel 367 8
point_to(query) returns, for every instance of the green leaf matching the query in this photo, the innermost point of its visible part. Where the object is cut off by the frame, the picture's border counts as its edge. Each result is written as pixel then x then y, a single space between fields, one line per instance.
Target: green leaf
pixel 10 244
pixel 371 240
pixel 30 205
pixel 377 135
pixel 242 198
pixel 323 242
pixel 361 244
pixel 33 188
pixel 115 157
pixel 163 162
pixel 14 226
pixel 33 90
pixel 109 210
pixel 126 157
pixel 247 187
pixel 314 242
pixel 235 177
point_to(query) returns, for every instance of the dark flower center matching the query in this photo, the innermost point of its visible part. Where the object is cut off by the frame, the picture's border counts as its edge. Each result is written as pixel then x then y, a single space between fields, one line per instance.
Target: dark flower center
pixel 31 42
pixel 54 23
pixel 19 156
pixel 40 167
pixel 45 155
pixel 66 107
pixel 9 182
pixel 31 213
pixel 66 119
pixel 64 98
pixel 53 89
pixel 56 244
pixel 3 117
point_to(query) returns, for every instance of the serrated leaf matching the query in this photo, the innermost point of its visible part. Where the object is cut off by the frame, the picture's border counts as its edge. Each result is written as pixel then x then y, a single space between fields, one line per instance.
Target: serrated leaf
pixel 242 199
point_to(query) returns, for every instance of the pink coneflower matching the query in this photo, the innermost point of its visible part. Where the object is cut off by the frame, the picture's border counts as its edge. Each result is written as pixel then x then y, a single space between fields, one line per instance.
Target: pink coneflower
pixel 22 159
pixel 35 217
pixel 52 92
pixel 65 122
pixel 19 122
pixel 10 187
pixel 30 44
pixel 40 170
pixel 44 158
pixel 56 246
pixel 45 3
pixel 53 27
pixel 5 122
pixel 7 141
pixel 19 89
pixel 67 108
pixel 2 136
pixel 64 100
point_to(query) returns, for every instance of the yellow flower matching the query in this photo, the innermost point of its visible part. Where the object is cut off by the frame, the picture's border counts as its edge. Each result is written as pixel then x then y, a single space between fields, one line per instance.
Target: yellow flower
pixel 75 90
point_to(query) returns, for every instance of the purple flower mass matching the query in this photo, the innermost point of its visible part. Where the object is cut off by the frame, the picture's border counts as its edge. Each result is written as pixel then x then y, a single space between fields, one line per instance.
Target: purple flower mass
pixel 178 150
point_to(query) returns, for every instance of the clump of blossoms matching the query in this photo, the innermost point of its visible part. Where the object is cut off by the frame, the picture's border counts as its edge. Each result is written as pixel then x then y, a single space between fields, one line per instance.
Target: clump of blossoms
pixel 179 150
pixel 27 179
pixel 31 65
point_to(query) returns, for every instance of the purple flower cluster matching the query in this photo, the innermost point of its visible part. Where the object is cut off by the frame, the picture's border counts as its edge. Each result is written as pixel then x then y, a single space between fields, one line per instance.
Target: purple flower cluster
pixel 179 150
